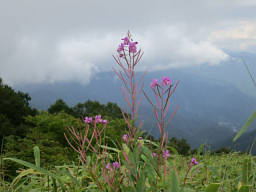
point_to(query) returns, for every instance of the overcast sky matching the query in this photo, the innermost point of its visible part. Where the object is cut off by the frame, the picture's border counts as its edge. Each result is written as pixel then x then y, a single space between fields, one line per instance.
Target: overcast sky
pixel 64 40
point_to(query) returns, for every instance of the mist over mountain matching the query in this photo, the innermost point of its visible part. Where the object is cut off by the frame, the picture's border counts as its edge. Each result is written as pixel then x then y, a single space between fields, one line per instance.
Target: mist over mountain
pixel 232 71
pixel 215 101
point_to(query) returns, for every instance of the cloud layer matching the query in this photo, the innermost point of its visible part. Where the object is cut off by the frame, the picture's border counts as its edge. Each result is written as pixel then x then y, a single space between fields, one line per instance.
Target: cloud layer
pixel 51 41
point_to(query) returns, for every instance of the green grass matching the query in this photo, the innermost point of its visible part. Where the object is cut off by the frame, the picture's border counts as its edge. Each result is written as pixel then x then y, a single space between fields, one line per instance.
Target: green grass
pixel 226 172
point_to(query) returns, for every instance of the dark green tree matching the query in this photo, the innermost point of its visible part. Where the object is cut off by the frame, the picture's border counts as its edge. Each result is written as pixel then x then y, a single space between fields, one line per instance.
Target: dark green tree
pixel 59 106
pixel 224 150
pixel 92 108
pixel 180 145
pixel 51 151
pixel 113 110
pixel 14 106
pixel 53 125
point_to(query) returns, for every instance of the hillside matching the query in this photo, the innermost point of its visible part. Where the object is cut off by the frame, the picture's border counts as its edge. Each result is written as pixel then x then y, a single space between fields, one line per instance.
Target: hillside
pixel 210 110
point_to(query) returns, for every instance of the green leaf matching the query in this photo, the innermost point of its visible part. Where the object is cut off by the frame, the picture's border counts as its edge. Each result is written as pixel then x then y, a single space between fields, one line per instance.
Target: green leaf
pixel 37 156
pixel 126 148
pixel 248 122
pixel 110 148
pixel 173 150
pixel 22 174
pixel 174 183
pixel 244 188
pixel 54 184
pixel 188 190
pixel 214 170
pixel 39 169
pixel 66 172
pixel 246 170
pixel 148 153
pixel 201 148
pixel 151 142
pixel 20 184
pixel 213 187
pixel 140 185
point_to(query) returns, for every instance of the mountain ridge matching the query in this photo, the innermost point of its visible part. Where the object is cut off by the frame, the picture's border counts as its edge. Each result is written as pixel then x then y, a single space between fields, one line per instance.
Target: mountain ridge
pixel 206 104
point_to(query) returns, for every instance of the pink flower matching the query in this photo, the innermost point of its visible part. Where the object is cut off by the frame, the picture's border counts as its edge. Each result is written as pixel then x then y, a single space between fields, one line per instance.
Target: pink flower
pixel 166 81
pixel 153 154
pixel 166 154
pixel 98 119
pixel 104 121
pixel 193 161
pixel 116 164
pixel 132 47
pixel 120 48
pixel 108 166
pixel 139 138
pixel 126 40
pixel 154 83
pixel 88 119
pixel 125 137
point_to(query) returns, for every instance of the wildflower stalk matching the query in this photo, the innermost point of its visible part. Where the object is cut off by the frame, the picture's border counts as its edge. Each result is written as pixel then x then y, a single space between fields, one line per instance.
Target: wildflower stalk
pixel 162 93
pixel 127 58
pixel 80 141
pixel 192 162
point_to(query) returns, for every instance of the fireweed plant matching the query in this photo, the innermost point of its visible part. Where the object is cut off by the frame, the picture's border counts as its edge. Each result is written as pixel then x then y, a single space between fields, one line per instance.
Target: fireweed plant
pixel 162 92
pixel 127 57
pixel 82 140
pixel 137 166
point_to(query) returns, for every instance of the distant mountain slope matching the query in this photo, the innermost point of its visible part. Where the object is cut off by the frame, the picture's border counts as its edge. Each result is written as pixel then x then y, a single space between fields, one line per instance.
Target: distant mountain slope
pixel 209 111
pixel 247 142
pixel 232 71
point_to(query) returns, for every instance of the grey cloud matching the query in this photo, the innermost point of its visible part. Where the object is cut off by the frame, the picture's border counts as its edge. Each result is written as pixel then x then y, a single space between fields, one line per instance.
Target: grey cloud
pixel 48 41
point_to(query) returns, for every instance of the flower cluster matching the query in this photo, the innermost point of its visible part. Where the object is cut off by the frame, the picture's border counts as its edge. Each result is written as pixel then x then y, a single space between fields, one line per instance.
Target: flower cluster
pixel 115 165
pixel 97 120
pixel 153 154
pixel 88 119
pixel 125 137
pixel 127 43
pixel 154 83
pixel 166 154
pixel 165 81
pixel 193 161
